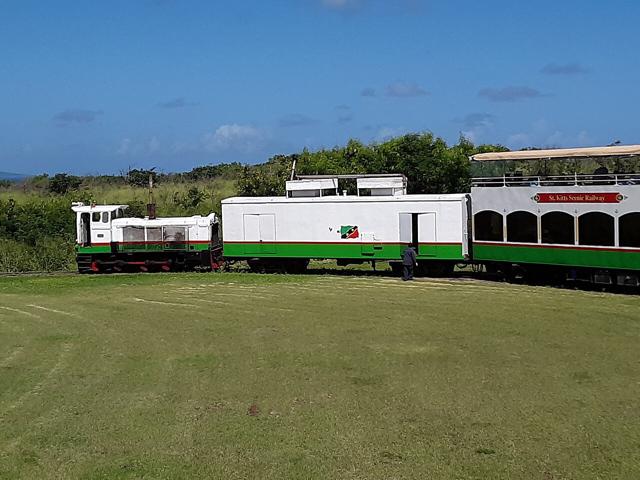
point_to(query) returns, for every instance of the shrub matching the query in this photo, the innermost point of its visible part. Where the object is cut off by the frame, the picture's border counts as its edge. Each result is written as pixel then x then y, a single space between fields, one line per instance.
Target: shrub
pixel 47 255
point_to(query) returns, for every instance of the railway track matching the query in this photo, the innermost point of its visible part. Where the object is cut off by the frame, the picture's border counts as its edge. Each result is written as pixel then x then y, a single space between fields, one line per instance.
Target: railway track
pixel 38 274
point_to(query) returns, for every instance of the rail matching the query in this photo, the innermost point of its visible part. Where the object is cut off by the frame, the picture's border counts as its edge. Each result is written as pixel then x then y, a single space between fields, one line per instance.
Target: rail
pixel 43 273
pixel 557 180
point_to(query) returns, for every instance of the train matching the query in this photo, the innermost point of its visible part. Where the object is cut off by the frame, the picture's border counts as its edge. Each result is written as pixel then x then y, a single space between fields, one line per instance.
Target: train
pixel 582 227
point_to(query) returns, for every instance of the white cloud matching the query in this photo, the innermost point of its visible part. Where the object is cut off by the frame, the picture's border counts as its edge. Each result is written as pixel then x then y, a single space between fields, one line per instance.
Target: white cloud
pixel 242 138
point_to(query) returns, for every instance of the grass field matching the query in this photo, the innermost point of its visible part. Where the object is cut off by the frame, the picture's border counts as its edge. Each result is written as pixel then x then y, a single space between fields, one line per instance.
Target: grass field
pixel 333 376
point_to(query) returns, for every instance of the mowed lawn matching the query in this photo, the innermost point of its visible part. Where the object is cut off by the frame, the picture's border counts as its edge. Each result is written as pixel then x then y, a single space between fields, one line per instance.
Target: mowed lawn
pixel 271 376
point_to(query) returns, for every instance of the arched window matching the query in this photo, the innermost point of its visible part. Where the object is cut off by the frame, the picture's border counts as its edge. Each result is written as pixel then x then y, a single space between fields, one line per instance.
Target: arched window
pixel 488 226
pixel 629 226
pixel 596 228
pixel 522 227
pixel 558 227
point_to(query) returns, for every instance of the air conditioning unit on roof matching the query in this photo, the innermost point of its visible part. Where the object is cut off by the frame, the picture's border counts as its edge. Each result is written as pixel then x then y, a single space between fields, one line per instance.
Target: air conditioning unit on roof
pixel 383 186
pixel 312 187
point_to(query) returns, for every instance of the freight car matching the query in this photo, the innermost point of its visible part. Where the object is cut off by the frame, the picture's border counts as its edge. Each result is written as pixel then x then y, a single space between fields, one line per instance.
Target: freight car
pixel 315 221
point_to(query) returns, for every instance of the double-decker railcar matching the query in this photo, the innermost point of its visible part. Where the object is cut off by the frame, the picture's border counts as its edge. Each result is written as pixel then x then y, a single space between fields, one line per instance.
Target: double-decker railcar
pixel 581 226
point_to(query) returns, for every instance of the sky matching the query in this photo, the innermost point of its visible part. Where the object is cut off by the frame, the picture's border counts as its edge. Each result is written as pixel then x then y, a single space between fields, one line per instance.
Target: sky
pixel 101 87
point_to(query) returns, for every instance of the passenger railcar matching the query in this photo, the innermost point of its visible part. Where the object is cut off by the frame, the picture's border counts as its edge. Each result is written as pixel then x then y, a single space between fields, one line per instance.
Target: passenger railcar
pixel 580 226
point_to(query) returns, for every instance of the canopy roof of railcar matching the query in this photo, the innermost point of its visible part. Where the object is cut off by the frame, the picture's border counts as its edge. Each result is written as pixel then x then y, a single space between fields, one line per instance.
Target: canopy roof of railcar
pixel 590 152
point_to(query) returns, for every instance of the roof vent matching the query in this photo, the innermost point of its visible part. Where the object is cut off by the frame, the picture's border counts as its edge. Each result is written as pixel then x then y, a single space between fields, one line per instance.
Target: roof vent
pixel 382 186
pixel 312 187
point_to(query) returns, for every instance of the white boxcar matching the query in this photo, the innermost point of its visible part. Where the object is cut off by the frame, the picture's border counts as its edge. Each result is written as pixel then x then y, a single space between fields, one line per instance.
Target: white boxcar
pixel 347 227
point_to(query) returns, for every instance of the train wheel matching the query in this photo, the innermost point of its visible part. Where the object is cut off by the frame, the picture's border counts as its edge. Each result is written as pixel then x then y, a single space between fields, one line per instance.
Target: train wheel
pixel 396 268
pixel 296 266
pixel 436 269
pixel 256 266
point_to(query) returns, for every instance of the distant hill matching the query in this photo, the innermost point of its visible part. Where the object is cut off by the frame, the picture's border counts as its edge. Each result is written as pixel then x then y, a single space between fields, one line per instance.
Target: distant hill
pixel 12 176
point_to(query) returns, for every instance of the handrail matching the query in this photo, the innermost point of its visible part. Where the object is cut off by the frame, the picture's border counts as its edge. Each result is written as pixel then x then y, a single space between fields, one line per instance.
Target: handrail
pixel 557 180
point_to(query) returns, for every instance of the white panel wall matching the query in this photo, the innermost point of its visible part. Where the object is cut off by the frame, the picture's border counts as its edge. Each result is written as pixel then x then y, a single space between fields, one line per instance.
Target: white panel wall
pixel 319 220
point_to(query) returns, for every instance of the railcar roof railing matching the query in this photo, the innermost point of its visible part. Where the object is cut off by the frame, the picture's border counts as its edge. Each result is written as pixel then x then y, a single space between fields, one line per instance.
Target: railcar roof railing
pixel 557 180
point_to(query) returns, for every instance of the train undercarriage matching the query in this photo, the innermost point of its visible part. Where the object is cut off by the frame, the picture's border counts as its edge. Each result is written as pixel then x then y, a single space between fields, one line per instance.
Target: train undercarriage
pixel 536 274
pixel 148 262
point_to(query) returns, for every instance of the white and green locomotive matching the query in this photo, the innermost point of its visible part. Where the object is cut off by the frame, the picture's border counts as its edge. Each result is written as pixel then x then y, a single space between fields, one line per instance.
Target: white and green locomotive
pixel 107 240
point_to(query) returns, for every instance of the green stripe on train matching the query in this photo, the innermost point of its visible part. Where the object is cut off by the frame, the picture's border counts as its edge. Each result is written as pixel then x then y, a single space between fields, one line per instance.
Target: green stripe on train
pixel 196 247
pixel 575 257
pixel 89 250
pixel 347 250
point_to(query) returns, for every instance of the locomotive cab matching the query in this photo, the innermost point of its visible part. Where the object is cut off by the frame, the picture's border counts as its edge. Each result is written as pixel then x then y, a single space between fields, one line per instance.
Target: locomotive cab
pixel 93 223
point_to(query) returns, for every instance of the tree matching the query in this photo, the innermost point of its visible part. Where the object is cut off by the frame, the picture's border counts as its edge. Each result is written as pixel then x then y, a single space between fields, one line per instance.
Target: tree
pixel 192 199
pixel 62 183
pixel 227 170
pixel 266 179
pixel 140 178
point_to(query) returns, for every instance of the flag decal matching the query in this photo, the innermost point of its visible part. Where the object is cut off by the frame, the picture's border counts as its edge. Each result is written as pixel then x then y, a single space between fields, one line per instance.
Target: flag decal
pixel 349 231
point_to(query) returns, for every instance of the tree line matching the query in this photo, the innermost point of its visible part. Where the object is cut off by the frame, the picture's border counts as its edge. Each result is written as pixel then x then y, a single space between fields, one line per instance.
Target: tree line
pixel 35 215
pixel 430 165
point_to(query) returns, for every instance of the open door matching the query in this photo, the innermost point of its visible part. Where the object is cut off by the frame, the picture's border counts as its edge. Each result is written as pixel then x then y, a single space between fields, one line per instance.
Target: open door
pixel 85 230
pixel 406 228
pixel 418 230
pixel 427 234
pixel 409 229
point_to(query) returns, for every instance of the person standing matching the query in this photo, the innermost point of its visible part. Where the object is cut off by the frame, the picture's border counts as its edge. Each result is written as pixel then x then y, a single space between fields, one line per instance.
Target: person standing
pixel 409 261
